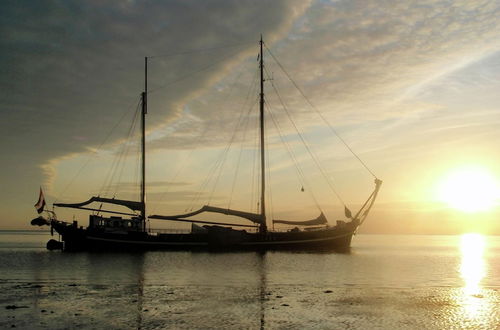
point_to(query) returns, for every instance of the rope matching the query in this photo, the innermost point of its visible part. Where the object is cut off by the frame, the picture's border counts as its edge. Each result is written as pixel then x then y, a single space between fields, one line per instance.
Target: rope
pixel 300 174
pixel 238 163
pixel 202 186
pixel 137 176
pixel 241 120
pixel 125 154
pixel 220 161
pixel 226 151
pixel 319 113
pixel 154 90
pixel 316 161
pixel 106 187
pixel 254 166
pixel 269 185
pixel 180 167
pixel 202 50
pixel 95 152
pixel 250 92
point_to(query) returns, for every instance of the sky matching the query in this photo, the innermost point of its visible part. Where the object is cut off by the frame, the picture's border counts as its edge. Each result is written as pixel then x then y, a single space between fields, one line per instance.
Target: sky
pixel 412 87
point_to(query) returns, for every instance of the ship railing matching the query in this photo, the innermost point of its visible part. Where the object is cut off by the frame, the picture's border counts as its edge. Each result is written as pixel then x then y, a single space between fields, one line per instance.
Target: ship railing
pixel 154 231
pixel 169 231
pixel 297 228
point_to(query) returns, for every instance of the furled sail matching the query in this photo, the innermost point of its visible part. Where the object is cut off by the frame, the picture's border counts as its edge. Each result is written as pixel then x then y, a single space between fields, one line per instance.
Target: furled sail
pixel 254 217
pixel 321 220
pixel 195 229
pixel 135 206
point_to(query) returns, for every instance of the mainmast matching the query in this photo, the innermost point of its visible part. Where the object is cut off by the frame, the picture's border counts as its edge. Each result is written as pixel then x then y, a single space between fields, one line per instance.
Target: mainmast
pixel 143 145
pixel 263 225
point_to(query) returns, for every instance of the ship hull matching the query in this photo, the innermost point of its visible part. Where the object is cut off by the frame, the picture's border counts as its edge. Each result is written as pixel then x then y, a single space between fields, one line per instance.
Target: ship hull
pixel 217 239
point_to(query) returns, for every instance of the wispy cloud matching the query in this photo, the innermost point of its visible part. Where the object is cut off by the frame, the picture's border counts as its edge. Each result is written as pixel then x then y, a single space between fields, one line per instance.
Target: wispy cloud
pixel 71 69
pixel 385 74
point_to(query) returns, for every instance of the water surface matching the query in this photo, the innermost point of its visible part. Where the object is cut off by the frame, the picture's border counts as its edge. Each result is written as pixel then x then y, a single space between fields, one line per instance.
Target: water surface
pixel 385 282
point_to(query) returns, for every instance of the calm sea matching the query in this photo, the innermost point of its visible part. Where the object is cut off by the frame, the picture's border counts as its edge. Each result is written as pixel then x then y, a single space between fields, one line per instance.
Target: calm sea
pixel 385 282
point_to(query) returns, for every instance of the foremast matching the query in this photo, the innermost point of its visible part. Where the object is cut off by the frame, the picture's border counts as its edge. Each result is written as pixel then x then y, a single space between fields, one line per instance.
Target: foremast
pixel 263 226
pixel 143 145
pixel 133 205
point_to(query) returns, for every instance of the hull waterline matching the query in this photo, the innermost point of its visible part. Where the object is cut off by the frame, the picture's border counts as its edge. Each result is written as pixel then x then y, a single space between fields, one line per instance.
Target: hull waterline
pixel 77 239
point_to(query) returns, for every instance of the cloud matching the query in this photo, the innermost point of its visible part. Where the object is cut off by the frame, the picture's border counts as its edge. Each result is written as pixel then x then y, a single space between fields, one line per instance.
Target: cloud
pixel 70 70
pixel 356 61
pixel 374 69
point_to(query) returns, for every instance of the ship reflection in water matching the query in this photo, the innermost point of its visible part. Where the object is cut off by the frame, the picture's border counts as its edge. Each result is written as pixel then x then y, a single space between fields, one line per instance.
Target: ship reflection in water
pixel 474 300
pixel 386 282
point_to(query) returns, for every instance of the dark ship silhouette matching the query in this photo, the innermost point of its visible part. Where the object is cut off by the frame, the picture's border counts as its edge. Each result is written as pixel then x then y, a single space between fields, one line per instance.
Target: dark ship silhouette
pixel 127 231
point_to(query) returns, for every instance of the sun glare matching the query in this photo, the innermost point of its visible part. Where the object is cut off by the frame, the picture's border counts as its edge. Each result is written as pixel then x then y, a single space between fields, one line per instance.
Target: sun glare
pixel 471 189
pixel 473 266
pixel 473 269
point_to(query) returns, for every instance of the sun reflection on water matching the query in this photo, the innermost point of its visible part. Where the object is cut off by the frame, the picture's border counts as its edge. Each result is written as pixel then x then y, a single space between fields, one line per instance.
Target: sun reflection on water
pixel 473 266
pixel 472 271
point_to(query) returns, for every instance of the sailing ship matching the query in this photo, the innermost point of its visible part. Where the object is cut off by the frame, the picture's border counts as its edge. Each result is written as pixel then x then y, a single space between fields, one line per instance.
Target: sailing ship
pixel 130 232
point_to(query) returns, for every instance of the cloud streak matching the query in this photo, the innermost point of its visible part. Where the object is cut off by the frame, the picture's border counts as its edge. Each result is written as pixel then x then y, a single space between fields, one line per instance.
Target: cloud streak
pixel 386 74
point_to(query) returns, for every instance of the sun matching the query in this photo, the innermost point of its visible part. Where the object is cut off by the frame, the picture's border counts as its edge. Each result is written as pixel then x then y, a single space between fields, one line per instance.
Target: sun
pixel 470 189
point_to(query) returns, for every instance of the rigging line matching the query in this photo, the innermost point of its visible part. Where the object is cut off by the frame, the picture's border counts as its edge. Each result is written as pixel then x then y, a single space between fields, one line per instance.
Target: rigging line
pixel 125 155
pixel 137 175
pixel 182 166
pixel 269 185
pixel 235 177
pixel 203 185
pixel 254 84
pixel 219 171
pixel 202 50
pixel 120 164
pixel 299 172
pixel 118 159
pixel 109 176
pixel 250 92
pixel 214 168
pixel 154 90
pixel 254 156
pixel 94 153
pixel 239 160
pixel 226 151
pixel 205 182
pixel 126 148
pixel 320 114
pixel 241 120
pixel 316 161
pixel 252 89
pixel 212 171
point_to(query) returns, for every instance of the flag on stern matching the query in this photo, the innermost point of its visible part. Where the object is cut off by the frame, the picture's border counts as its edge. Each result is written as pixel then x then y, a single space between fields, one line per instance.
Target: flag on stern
pixel 41 202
